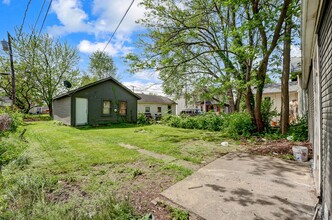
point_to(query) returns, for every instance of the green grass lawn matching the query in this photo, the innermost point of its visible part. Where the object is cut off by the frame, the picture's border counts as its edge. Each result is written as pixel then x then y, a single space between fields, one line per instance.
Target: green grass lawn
pixel 72 170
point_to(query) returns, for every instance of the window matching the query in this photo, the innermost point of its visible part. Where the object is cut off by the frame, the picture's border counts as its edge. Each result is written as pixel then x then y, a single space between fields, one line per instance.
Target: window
pixel 122 108
pixel 106 107
pixel 147 109
pixel 159 109
pixel 169 109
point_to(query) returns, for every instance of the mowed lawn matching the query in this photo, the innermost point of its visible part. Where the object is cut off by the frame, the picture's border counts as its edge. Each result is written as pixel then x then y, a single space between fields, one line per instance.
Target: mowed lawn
pixel 79 167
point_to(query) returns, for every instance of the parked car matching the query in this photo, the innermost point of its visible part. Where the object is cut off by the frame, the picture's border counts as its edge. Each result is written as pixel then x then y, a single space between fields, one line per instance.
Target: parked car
pixel 191 111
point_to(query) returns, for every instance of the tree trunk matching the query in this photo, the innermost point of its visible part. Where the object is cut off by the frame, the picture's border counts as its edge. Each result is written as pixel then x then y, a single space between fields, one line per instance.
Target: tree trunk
pixel 284 118
pixel 258 101
pixel 231 103
pixel 50 109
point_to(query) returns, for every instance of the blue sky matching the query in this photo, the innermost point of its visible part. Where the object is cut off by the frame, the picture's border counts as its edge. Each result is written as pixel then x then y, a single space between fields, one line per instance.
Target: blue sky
pixel 86 25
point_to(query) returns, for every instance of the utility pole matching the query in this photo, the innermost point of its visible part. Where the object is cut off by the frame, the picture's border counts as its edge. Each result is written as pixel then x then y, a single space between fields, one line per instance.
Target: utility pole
pixel 7 46
pixel 12 69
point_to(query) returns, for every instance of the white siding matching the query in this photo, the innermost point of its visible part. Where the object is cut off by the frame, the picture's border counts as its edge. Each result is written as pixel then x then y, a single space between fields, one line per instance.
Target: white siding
pixel 154 108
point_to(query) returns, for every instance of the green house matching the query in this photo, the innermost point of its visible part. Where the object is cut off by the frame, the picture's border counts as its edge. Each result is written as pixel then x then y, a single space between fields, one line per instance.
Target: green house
pixel 101 102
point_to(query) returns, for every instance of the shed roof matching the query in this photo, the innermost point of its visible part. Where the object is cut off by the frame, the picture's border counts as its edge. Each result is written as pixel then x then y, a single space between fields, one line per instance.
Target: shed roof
pixel 276 88
pixel 155 99
pixel 93 84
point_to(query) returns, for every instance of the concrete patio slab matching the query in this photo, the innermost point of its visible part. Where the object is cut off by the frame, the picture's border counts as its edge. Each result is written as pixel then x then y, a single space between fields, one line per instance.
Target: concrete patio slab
pixel 242 186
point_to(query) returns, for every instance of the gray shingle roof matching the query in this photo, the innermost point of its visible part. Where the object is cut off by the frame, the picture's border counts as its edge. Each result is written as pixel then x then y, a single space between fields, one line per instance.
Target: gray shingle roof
pixel 95 83
pixel 154 99
pixel 276 88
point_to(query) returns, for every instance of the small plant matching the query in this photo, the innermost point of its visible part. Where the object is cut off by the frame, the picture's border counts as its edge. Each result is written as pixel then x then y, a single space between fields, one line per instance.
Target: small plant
pixel 142 119
pixel 299 131
pixel 137 172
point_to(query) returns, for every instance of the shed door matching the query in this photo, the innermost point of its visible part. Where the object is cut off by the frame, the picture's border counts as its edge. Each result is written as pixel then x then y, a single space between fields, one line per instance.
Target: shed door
pixel 81 111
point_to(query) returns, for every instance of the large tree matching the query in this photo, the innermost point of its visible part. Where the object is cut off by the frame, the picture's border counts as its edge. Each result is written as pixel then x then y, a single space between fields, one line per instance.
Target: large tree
pixel 49 62
pixel 101 65
pixel 214 45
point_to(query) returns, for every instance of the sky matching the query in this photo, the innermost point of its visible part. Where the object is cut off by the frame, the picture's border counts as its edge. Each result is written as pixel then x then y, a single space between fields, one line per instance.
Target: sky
pixel 86 25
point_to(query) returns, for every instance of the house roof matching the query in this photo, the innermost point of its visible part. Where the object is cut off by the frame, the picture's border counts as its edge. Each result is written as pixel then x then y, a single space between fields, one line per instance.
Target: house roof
pixel 96 83
pixel 155 99
pixel 276 88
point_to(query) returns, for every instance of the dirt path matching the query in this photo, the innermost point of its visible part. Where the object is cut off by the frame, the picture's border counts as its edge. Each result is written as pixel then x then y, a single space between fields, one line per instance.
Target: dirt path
pixel 166 158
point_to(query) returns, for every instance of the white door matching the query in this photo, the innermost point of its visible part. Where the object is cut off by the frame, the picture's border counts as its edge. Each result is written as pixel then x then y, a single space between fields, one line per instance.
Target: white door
pixel 81 111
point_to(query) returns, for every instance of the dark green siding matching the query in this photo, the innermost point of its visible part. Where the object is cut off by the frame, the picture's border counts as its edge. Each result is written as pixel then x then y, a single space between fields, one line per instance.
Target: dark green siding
pixel 107 90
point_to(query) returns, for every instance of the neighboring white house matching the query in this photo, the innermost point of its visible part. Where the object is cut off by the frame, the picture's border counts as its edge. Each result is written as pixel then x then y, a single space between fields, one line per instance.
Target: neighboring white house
pixel 272 92
pixel 155 105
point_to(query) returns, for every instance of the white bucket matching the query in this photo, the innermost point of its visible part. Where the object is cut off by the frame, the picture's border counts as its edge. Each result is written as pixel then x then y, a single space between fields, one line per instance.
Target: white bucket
pixel 300 153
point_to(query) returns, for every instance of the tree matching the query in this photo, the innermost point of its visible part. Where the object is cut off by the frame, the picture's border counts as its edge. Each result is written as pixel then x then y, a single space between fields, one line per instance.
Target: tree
pixel 101 65
pixel 215 45
pixel 289 27
pixel 49 62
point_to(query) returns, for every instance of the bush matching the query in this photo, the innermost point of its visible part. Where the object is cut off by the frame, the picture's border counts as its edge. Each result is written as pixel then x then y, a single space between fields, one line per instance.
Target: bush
pixel 238 124
pixel 142 119
pixel 10 149
pixel 299 131
pixel 267 113
pixel 9 120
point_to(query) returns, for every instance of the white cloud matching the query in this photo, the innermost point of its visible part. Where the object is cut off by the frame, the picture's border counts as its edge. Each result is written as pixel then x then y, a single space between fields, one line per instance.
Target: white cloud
pixel 71 16
pixel 113 49
pixel 147 88
pixel 6 2
pixel 147 75
pixel 108 14
pixel 295 51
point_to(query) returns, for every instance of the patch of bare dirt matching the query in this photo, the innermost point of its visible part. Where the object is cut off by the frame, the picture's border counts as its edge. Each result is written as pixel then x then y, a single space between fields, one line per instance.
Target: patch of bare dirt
pixel 67 190
pixel 274 147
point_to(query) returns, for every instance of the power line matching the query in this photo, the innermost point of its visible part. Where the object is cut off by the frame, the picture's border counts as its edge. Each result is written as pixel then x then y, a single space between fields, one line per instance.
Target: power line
pixel 41 9
pixel 24 16
pixel 48 9
pixel 118 25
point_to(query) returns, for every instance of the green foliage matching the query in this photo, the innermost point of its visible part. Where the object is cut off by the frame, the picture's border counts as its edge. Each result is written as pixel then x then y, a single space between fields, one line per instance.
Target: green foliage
pixel 10 148
pixel 101 65
pixel 37 117
pixel 238 124
pixel 178 214
pixel 299 131
pixel 233 125
pixel 142 119
pixel 209 121
pixel 9 120
pixel 268 113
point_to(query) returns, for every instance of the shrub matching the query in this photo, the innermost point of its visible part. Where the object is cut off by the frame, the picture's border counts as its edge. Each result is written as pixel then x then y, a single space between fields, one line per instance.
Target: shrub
pixel 268 113
pixel 238 124
pixel 142 119
pixel 10 149
pixel 299 131
pixel 9 120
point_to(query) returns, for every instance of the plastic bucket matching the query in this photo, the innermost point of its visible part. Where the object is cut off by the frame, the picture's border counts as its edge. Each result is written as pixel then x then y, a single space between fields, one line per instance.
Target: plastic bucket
pixel 300 153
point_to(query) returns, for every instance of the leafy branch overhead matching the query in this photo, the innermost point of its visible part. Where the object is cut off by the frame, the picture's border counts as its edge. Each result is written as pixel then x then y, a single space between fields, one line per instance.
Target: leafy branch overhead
pixel 217 47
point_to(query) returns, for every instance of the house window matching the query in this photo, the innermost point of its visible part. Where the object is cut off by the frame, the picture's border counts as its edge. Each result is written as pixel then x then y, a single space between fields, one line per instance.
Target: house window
pixel 169 109
pixel 122 108
pixel 106 107
pixel 147 109
pixel 159 109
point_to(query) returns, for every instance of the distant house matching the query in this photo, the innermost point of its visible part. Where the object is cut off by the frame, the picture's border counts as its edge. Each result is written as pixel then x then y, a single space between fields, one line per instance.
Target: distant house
pixel 36 109
pixel 203 106
pixel 272 92
pixel 155 105
pixel 102 102
pixel 5 101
